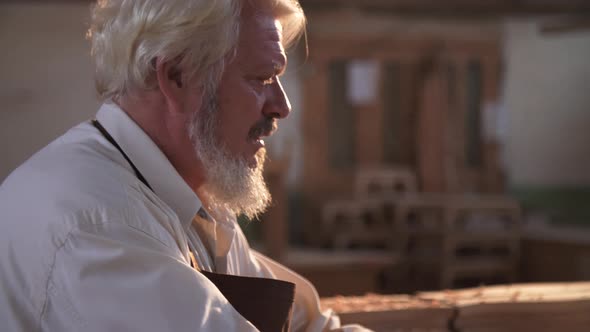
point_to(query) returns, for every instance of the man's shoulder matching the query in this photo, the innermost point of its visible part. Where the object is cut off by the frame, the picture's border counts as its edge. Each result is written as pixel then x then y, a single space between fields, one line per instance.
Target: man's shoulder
pixel 69 183
pixel 76 172
pixel 80 178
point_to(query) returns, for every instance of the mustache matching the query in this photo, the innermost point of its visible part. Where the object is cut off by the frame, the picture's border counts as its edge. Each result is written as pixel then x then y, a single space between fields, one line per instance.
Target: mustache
pixel 264 127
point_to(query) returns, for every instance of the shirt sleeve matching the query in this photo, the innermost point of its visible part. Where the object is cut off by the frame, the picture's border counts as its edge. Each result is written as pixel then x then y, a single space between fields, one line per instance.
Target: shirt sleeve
pixel 112 277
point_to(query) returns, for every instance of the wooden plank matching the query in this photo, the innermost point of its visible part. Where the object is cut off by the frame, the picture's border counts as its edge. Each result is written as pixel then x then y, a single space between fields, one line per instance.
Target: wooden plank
pixel 532 292
pixel 274 220
pixel 391 312
pixel 571 24
pixel 508 6
pixel 314 124
pixel 369 139
pixel 456 7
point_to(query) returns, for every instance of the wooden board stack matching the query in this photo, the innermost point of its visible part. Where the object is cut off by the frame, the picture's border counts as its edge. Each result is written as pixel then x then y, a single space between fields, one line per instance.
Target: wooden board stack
pixel 528 307
pixel 563 307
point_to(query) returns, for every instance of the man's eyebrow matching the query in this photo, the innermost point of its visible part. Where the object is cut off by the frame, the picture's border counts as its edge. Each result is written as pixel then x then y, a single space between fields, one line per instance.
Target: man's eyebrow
pixel 275 67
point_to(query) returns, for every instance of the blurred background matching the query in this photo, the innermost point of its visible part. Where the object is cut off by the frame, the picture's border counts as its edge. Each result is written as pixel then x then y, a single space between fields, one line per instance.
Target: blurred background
pixel 432 144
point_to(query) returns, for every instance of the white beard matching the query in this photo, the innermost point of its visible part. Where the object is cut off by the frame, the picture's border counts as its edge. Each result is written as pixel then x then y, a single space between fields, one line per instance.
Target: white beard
pixel 230 182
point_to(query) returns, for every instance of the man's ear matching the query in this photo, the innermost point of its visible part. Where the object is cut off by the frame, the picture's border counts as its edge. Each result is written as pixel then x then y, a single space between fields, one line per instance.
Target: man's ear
pixel 173 85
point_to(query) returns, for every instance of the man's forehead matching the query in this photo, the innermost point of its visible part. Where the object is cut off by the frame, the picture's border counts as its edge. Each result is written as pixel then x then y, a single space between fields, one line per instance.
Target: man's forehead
pixel 261 37
pixel 262 25
pixel 261 12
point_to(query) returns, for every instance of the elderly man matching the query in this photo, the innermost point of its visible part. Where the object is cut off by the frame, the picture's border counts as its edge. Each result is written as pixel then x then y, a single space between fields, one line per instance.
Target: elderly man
pixel 127 222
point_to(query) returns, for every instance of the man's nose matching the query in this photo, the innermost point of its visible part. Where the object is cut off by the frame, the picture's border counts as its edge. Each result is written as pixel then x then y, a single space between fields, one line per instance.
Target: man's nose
pixel 277 103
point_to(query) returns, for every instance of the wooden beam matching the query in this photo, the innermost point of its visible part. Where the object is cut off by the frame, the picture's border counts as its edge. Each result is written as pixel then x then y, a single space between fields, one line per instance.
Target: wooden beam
pixel 428 7
pixel 456 7
pixel 570 25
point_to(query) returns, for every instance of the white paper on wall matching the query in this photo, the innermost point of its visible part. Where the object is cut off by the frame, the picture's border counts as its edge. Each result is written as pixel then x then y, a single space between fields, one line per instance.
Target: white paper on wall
pixel 362 82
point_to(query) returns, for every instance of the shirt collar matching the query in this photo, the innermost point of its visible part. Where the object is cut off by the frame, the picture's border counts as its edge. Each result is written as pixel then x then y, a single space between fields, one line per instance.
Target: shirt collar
pixel 167 184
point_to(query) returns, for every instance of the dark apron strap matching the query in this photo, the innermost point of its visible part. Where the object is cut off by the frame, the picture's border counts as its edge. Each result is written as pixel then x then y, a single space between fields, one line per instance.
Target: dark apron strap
pixel 110 138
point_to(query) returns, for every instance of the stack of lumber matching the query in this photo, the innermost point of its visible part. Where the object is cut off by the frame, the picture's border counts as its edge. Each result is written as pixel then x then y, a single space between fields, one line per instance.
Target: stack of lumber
pixel 526 307
pixel 391 313
pixel 562 307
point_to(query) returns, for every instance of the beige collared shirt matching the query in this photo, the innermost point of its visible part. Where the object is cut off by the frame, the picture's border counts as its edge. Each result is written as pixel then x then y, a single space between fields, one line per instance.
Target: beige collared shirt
pixel 85 246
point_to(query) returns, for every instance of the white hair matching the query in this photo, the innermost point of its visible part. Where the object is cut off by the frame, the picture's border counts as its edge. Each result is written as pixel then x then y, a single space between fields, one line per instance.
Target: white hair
pixel 128 35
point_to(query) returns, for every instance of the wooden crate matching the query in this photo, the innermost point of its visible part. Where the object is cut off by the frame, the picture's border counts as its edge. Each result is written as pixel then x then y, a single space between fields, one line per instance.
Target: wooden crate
pixel 482 240
pixel 468 237
pixel 372 183
pixel 357 222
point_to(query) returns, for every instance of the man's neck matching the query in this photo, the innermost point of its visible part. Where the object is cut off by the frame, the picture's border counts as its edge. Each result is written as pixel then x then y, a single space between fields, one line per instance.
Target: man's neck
pixel 169 132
